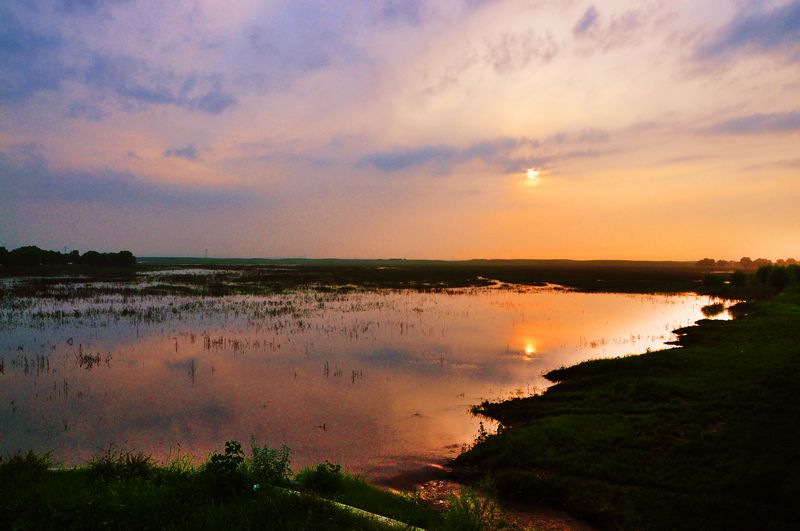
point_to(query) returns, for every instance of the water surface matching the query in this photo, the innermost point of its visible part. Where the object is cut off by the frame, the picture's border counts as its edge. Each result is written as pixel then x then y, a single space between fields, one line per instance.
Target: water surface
pixel 380 381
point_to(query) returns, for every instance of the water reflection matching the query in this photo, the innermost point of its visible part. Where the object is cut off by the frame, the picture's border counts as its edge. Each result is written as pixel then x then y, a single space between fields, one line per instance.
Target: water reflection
pixel 379 381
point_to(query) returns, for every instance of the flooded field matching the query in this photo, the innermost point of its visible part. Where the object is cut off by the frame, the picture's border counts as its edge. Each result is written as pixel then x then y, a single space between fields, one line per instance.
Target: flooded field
pixel 380 380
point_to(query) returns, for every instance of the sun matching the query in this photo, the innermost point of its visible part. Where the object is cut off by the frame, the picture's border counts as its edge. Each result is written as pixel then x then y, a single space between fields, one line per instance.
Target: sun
pixel 530 349
pixel 533 174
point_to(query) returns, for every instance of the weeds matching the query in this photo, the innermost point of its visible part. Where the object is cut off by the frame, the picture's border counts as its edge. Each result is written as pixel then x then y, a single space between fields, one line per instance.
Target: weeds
pixel 269 466
pixel 29 465
pixel 225 474
pixel 115 465
pixel 324 478
pixel 470 511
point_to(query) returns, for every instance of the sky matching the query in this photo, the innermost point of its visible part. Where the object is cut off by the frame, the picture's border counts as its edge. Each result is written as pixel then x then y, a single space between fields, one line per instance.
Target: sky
pixel 657 129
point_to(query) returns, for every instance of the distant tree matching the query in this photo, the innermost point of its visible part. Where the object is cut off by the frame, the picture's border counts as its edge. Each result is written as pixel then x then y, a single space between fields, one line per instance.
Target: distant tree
pixel 95 259
pixel 32 256
pixel 791 261
pixel 746 262
pixel 123 259
pixel 724 264
pixel 758 262
pixel 738 278
pixel 706 263
pixel 29 255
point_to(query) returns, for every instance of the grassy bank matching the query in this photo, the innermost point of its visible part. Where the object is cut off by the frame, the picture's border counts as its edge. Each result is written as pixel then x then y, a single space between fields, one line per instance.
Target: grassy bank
pixel 229 491
pixel 704 436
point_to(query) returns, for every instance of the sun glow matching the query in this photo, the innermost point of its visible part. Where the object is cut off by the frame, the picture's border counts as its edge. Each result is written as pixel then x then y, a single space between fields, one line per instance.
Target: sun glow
pixel 533 174
pixel 530 349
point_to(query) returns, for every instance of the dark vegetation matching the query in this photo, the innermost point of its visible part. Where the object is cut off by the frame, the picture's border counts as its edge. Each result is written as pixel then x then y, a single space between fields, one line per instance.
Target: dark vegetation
pixel 700 437
pixel 745 263
pixel 122 490
pixel 31 256
pixel 277 276
pixel 765 281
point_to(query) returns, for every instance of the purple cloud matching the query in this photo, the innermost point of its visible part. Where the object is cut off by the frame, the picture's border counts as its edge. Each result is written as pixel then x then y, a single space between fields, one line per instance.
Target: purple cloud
pixel 135 82
pixel 25 176
pixel 498 153
pixel 586 22
pixel 406 11
pixel 35 60
pixel 86 111
pixel 755 29
pixel 786 122
pixel 29 58
pixel 188 152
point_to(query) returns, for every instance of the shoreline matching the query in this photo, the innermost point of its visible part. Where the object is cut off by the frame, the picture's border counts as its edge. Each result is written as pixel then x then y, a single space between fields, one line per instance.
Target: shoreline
pixel 651 440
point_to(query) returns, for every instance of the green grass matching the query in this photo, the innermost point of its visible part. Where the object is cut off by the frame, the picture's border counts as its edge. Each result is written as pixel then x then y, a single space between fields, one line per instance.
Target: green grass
pixel 124 490
pixel 702 437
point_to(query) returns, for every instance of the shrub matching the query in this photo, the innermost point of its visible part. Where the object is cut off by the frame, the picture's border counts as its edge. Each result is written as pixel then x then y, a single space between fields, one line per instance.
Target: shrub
pixel 120 466
pixel 471 512
pixel 778 278
pixel 763 272
pixel 738 278
pixel 24 466
pixel 324 478
pixel 223 473
pixel 794 272
pixel 268 465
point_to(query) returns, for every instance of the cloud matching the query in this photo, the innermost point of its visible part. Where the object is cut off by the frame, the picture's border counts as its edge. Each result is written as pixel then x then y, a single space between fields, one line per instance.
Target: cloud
pixel 405 11
pixel 786 122
pixel 26 177
pixel 85 110
pixel 34 61
pixel 135 82
pixel 29 59
pixel 442 157
pixel 586 22
pixel 505 154
pixel 188 152
pixel 85 7
pixel 516 51
pixel 401 159
pixel 297 38
pixel 758 30
pixel 619 30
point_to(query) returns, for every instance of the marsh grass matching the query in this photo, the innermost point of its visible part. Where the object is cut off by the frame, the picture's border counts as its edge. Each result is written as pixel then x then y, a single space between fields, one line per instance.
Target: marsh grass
pixel 229 490
pixel 701 437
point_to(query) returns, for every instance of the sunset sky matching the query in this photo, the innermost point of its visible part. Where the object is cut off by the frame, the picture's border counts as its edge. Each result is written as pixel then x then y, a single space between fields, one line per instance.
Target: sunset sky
pixel 665 129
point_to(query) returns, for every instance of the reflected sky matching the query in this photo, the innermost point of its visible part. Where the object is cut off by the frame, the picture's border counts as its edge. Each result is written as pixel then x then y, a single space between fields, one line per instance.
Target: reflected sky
pixel 378 381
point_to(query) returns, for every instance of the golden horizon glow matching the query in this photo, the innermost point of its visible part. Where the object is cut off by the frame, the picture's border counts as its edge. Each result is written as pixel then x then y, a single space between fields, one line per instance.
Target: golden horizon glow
pixel 533 175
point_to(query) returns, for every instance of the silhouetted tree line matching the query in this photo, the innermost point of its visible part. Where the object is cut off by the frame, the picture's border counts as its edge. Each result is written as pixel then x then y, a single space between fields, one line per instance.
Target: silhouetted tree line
pixel 772 276
pixel 744 263
pixel 30 255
